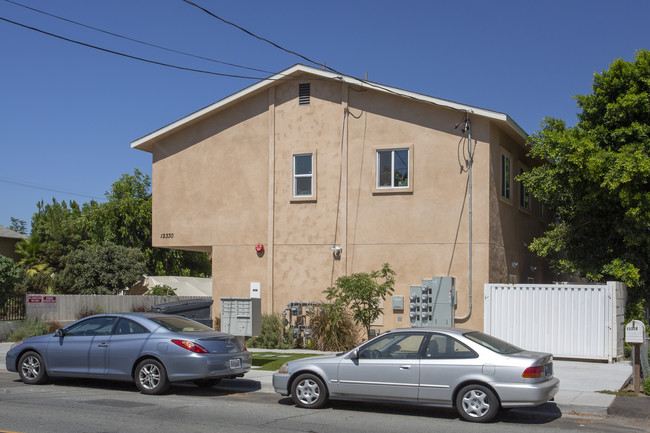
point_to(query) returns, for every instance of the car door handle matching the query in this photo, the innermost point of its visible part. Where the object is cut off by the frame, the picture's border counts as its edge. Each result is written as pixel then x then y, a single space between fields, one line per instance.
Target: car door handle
pixel 103 344
pixel 405 367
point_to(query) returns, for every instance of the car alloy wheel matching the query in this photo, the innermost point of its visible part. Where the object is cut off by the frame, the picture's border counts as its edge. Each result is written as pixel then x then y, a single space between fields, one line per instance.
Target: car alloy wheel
pixel 309 391
pixel 32 369
pixel 477 403
pixel 151 377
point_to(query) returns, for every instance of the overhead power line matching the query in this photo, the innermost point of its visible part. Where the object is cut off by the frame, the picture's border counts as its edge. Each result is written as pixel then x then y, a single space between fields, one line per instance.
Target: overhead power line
pixel 254 35
pixel 106 50
pixel 136 40
pixel 323 65
pixel 47 188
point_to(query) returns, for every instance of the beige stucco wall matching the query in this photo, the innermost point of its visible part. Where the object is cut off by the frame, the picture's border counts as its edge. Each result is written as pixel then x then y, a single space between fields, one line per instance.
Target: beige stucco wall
pixel 224 184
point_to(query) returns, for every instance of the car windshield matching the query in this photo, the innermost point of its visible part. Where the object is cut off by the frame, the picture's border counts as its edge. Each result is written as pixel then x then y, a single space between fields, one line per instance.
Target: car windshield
pixel 492 343
pixel 180 324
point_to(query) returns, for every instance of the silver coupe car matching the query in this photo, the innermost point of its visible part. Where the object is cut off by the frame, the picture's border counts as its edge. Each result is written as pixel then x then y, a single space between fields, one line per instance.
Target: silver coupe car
pixel 474 372
pixel 148 348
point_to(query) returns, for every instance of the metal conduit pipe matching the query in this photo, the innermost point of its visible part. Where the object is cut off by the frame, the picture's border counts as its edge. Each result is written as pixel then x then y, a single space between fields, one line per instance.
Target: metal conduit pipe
pixel 469 187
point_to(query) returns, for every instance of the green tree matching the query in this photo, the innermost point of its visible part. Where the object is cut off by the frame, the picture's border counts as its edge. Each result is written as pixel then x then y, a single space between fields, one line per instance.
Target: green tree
pixel 596 180
pixel 18 225
pixel 61 228
pixel 362 294
pixel 162 290
pixel 32 252
pixel 104 269
pixel 10 275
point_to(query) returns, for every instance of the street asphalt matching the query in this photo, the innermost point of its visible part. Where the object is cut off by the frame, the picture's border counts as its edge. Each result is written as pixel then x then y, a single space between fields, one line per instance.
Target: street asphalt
pixel 581 387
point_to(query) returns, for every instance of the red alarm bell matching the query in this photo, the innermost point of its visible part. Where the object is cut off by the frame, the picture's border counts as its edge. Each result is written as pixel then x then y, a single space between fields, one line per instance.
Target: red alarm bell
pixel 259 248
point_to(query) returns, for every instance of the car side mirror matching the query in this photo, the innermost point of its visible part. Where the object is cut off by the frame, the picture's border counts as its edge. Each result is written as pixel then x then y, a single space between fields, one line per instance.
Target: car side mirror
pixel 59 333
pixel 354 354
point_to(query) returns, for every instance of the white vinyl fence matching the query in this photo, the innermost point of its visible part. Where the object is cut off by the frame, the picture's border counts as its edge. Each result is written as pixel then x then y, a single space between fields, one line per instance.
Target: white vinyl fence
pixel 64 308
pixel 567 320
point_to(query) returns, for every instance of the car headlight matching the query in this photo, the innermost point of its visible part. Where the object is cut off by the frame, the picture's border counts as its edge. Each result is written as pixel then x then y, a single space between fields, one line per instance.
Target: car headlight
pixel 284 368
pixel 16 344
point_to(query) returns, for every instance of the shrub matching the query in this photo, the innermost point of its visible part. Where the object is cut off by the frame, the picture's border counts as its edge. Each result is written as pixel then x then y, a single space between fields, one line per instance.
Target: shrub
pixel 162 290
pixel 271 336
pixel 89 311
pixel 29 328
pixel 332 330
pixel 646 386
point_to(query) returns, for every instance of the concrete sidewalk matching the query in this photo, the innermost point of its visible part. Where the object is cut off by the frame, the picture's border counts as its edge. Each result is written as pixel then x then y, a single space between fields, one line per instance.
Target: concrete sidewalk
pixel 580 383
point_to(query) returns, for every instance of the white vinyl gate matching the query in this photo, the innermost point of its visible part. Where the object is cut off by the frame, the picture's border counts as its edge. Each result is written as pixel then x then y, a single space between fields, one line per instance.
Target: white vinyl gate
pixel 568 320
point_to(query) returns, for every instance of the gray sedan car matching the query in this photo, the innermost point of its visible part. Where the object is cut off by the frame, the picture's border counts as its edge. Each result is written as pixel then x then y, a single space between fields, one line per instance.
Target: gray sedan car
pixel 150 349
pixel 474 372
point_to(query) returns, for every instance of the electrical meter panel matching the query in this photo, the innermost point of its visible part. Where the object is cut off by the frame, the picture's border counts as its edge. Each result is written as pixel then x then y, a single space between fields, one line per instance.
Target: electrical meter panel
pixel 433 303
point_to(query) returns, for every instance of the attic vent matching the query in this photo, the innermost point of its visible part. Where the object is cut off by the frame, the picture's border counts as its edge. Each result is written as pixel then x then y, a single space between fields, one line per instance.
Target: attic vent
pixel 304 91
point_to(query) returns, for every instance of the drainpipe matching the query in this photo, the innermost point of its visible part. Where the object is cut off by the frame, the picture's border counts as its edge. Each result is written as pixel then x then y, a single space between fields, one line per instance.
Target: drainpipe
pixel 468 127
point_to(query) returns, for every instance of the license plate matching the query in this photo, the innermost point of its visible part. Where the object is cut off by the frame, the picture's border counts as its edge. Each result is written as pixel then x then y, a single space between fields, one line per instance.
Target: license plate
pixel 235 363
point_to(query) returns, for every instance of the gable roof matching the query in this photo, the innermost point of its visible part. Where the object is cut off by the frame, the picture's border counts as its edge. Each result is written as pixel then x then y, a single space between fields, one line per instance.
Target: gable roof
pixel 145 143
pixel 7 233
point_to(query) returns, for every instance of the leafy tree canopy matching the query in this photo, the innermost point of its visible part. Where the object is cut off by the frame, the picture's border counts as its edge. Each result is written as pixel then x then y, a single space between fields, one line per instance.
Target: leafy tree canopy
pixel 362 294
pixel 60 229
pixel 596 179
pixel 104 269
pixel 18 225
pixel 9 276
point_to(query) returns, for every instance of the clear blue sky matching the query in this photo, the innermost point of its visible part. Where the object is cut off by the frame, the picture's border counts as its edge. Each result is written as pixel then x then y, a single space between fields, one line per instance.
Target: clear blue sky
pixel 68 113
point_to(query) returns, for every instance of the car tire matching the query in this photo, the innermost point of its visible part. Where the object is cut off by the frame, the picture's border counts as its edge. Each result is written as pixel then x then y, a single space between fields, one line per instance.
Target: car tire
pixel 206 383
pixel 309 391
pixel 477 403
pixel 31 368
pixel 151 377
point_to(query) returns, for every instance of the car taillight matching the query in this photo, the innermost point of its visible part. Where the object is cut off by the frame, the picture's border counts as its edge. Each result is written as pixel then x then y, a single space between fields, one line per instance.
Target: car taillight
pixel 533 372
pixel 190 345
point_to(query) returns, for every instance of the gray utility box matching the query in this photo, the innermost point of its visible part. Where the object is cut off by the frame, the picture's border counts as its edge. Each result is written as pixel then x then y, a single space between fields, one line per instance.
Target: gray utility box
pixel 241 316
pixel 433 303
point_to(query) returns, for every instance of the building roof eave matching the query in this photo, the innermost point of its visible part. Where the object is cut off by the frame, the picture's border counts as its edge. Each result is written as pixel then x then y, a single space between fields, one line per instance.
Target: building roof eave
pixel 146 143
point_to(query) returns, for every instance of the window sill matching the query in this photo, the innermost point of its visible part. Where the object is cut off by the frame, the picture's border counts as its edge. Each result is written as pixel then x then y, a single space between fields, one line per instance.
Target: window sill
pixel 308 199
pixel 393 191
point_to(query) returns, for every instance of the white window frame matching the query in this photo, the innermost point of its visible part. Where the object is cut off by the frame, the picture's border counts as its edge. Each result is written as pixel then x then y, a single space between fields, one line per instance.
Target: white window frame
pixel 376 172
pixel 295 177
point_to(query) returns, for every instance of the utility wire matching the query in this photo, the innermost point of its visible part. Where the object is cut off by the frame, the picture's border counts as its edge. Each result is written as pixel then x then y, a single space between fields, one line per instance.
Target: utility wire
pixel 254 35
pixel 366 82
pixel 45 188
pixel 106 50
pixel 136 40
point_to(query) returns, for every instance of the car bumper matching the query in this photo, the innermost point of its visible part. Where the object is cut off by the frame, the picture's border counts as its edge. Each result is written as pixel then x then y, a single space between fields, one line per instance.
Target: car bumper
pixel 526 394
pixel 199 367
pixel 11 360
pixel 281 383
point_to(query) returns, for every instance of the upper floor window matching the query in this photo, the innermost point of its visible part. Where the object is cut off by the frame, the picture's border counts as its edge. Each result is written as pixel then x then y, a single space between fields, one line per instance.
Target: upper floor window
pixel 506 176
pixel 393 168
pixel 524 195
pixel 303 175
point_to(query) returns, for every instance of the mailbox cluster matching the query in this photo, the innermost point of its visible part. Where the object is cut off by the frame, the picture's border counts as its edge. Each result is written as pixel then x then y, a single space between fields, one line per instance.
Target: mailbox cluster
pixel 433 303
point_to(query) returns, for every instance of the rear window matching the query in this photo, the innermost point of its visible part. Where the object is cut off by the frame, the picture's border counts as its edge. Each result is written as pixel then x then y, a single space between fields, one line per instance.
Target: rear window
pixel 179 324
pixel 492 343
